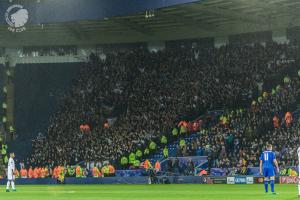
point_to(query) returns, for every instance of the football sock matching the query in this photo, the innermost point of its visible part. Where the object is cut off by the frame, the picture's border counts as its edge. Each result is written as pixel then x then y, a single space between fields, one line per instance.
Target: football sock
pixel 272 183
pixel 7 185
pixel 266 186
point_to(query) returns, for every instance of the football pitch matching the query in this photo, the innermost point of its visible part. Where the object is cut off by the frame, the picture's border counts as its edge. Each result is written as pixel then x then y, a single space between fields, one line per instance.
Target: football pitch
pixel 153 192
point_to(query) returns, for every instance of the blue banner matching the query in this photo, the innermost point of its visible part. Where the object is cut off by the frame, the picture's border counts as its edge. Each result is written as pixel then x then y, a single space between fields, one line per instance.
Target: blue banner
pixel 240 180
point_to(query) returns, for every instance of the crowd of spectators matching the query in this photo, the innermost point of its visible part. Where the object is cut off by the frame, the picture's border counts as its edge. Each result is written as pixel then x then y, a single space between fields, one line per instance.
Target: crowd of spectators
pixel 149 92
pixel 239 140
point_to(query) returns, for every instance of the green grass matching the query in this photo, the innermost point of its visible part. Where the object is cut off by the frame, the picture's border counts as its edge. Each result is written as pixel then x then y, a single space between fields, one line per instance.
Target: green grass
pixel 153 192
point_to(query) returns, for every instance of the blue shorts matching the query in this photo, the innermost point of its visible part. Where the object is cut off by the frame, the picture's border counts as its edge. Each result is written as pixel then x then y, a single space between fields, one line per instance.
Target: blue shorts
pixel 268 172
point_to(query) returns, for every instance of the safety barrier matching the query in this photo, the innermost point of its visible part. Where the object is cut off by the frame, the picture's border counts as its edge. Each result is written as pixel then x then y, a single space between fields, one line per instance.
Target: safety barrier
pixel 34 181
pixel 111 180
pixel 251 171
pixel 160 179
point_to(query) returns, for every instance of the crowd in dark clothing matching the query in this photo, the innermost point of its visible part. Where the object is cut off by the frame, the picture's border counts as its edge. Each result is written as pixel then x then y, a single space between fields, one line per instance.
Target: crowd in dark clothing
pixel 240 141
pixel 149 92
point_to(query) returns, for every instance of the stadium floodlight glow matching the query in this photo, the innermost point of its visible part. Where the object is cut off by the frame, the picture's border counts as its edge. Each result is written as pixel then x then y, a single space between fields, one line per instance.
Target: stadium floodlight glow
pixel 149 14
pixel 146 15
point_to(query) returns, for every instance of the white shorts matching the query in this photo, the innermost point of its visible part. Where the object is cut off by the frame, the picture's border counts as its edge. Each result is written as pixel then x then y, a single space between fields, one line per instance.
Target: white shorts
pixel 10 176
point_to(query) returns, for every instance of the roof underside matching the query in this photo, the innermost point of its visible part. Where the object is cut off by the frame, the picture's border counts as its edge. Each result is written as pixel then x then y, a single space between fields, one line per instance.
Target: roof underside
pixel 211 18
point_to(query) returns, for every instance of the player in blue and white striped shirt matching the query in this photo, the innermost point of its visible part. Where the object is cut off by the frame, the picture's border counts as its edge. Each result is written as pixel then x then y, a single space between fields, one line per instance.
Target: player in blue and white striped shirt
pixel 267 163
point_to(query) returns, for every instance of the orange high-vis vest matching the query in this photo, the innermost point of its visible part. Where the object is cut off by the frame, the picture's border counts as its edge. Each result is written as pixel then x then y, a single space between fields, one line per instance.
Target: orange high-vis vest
pixel 146 164
pixel 78 170
pixel 157 166
pixel 30 173
pixel 55 173
pixel 203 172
pixel 288 118
pixel 43 173
pixel 39 172
pixel 35 173
pixel 96 172
pixel 111 169
pixel 23 173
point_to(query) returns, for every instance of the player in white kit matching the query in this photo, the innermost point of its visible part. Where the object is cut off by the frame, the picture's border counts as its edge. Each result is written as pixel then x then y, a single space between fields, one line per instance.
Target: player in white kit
pixel 10 173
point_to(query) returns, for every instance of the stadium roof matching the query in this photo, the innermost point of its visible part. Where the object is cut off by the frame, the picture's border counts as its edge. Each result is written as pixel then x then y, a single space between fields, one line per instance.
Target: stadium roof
pixel 203 19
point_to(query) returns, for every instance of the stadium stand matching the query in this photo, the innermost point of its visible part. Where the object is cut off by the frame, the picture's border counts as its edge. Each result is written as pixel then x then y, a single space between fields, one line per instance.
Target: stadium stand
pixel 149 93
pixel 142 92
